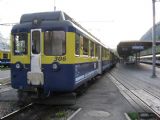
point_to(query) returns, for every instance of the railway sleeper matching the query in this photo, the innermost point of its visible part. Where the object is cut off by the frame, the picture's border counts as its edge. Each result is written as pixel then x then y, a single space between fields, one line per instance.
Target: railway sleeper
pixel 26 97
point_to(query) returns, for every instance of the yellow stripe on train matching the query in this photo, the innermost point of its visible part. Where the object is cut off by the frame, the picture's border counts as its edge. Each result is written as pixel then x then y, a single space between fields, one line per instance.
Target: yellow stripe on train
pixel 68 58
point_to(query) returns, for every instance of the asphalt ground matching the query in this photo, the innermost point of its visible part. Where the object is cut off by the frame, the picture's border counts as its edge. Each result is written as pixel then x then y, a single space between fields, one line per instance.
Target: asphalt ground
pixel 103 101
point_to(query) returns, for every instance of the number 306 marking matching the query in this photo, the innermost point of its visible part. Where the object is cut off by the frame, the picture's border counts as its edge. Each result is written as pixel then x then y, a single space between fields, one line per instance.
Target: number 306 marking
pixel 60 58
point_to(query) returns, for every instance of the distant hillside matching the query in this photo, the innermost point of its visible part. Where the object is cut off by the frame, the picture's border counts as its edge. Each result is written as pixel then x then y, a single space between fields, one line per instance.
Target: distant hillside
pixel 148 35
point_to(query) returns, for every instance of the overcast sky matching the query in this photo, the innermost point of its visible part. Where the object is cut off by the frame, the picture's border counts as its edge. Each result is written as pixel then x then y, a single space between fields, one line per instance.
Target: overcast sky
pixel 110 20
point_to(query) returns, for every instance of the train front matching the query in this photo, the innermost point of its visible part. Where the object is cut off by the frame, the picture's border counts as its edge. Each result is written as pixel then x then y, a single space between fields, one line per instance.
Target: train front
pixel 38 57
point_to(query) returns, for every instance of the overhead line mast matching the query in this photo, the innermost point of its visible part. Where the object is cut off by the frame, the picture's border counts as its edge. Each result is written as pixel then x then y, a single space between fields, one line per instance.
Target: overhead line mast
pixel 54 5
pixel 154 40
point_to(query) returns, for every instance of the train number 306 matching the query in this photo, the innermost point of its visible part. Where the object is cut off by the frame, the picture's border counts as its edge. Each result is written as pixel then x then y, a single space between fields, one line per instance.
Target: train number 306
pixel 60 58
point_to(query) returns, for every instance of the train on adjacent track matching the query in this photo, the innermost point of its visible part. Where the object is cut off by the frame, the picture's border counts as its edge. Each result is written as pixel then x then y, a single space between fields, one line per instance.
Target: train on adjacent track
pixel 148 59
pixel 146 55
pixel 51 53
pixel 4 58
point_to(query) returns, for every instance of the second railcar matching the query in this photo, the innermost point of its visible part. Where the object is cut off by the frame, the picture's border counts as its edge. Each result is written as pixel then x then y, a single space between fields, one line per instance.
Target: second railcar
pixel 148 59
pixel 4 58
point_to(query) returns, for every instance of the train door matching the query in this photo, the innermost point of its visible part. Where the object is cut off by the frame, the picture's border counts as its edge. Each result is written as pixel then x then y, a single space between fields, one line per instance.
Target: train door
pixel 35 76
pixel 36 50
pixel 99 59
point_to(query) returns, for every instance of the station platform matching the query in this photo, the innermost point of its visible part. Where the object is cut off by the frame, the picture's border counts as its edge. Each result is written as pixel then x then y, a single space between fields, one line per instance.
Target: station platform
pixel 136 84
pixel 124 89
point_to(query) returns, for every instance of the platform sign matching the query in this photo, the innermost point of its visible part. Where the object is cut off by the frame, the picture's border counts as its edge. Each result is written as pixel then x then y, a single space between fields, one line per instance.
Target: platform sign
pixel 137 47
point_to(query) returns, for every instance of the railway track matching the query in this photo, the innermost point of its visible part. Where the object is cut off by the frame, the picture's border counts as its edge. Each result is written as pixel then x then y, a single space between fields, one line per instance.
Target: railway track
pixel 14 113
pixel 4 89
pixel 5 81
pixel 5 84
pixel 133 90
pixel 138 83
pixel 34 111
pixel 30 111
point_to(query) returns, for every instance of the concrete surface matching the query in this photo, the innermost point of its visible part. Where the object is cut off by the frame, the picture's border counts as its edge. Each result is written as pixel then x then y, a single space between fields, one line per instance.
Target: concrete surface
pixel 102 101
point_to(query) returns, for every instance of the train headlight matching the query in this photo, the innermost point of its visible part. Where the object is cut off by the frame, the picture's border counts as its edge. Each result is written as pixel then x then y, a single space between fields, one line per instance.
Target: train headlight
pixel 55 66
pixel 18 65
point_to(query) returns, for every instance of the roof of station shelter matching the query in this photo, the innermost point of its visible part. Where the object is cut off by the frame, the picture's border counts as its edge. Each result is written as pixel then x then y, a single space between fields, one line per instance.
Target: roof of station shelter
pixel 127 48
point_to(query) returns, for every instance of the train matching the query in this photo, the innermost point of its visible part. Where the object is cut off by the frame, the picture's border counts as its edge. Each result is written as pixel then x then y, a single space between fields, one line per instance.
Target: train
pixel 146 56
pixel 148 59
pixel 5 58
pixel 52 53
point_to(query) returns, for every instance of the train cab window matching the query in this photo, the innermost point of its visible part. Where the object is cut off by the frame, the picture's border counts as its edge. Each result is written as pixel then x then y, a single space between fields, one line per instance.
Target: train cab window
pixel 77 45
pixel 91 48
pixel 5 55
pixel 20 43
pixel 85 46
pixel 54 43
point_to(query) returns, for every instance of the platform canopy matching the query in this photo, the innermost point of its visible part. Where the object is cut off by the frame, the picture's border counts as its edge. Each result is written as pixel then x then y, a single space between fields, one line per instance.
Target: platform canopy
pixel 128 48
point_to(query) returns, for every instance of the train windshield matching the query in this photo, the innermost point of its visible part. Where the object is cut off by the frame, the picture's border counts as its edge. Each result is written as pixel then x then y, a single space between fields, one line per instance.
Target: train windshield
pixel 54 43
pixel 20 43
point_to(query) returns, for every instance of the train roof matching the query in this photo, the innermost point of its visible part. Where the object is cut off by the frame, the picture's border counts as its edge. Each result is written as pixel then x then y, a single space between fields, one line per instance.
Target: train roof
pixel 44 16
pixel 50 17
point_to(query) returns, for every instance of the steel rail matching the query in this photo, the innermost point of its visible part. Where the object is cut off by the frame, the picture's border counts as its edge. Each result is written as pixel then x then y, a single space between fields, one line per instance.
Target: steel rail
pixel 135 94
pixel 16 111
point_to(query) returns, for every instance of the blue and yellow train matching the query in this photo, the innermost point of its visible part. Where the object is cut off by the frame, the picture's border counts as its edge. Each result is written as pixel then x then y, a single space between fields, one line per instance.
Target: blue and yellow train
pixel 4 58
pixel 50 52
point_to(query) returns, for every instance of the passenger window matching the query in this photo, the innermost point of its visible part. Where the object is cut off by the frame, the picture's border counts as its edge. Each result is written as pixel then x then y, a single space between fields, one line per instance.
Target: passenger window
pixel 5 55
pixel 103 52
pixel 106 52
pixel 77 45
pixel 85 46
pixel 97 51
pixel 91 48
pixel 54 43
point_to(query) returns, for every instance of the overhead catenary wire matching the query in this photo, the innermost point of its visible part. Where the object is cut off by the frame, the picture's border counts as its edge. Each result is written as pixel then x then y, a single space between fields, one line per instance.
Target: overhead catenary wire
pixel 7 24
